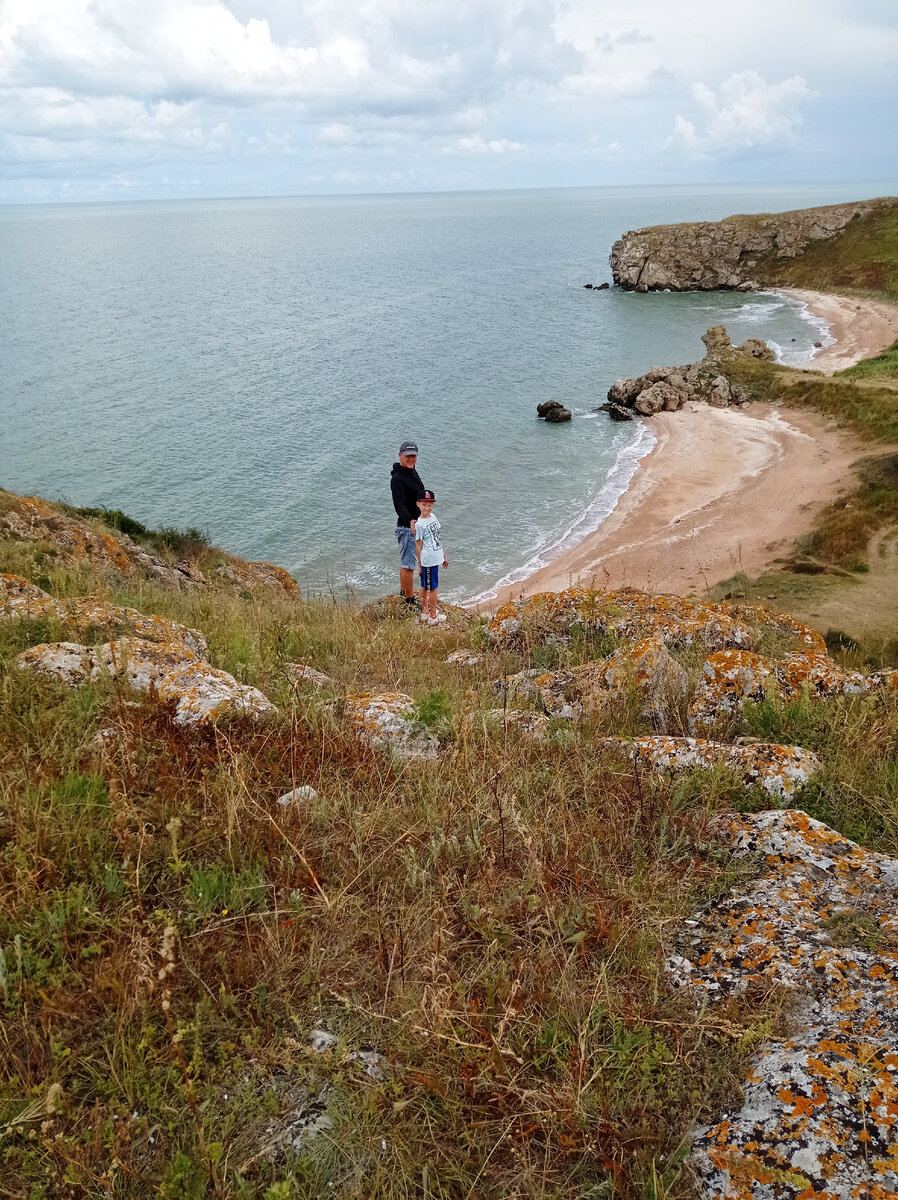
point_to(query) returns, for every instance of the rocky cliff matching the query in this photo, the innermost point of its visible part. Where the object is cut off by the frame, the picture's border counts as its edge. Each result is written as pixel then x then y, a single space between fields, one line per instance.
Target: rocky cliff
pixel 733 253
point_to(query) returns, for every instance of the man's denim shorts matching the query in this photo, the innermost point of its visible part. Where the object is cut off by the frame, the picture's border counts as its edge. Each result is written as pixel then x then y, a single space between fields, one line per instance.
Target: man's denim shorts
pixel 408 558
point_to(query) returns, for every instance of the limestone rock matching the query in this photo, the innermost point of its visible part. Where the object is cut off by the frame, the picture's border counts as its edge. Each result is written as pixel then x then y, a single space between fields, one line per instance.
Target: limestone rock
pixel 21 599
pixel 527 724
pixel 709 255
pixel 819 1107
pixel 647 669
pixel 520 686
pixel 68 662
pixel 554 616
pixel 205 695
pixel 143 664
pixel 720 395
pixel 299 795
pixel 780 770
pixel 756 348
pixel 88 613
pixel 655 397
pixel 301 675
pixel 462 658
pixel 558 414
pixel 732 678
pixel 617 413
pixel 388 719
pixel 250 576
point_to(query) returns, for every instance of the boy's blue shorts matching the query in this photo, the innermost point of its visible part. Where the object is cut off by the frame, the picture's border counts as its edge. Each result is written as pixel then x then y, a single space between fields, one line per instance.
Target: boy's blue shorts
pixel 430 578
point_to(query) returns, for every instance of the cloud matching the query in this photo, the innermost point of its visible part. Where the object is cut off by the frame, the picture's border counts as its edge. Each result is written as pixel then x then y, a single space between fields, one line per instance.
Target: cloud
pixel 475 144
pixel 745 113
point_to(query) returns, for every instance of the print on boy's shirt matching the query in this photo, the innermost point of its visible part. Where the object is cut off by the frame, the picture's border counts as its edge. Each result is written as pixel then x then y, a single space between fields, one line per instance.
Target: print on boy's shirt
pixel 427 532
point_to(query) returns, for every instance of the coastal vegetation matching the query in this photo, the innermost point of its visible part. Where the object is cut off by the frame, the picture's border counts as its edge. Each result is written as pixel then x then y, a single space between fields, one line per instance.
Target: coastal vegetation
pixel 438 979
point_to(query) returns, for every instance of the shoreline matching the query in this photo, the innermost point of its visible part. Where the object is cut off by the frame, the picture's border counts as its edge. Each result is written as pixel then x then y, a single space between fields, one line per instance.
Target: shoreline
pixel 723 490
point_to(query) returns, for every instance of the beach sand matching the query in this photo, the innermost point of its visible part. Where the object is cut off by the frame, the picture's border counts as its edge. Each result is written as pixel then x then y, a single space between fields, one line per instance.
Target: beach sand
pixel 861 328
pixel 725 490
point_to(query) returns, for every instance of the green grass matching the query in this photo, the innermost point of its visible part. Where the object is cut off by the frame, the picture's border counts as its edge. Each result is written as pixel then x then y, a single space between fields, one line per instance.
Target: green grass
pixel 181 542
pixel 861 260
pixel 885 364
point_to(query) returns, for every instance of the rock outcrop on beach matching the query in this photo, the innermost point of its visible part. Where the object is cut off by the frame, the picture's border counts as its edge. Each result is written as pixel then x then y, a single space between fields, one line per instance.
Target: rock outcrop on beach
pixel 667 389
pixel 731 254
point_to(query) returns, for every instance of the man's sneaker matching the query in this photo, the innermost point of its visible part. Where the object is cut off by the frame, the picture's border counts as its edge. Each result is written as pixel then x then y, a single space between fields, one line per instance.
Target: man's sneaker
pixel 411 601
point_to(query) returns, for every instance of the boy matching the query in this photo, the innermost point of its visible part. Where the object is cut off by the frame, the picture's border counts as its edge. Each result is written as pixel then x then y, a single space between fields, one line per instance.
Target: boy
pixel 430 553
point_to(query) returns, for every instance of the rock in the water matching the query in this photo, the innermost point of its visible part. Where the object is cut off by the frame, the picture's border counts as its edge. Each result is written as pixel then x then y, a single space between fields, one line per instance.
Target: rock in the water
pixel 819 1110
pixel 758 349
pixel 388 719
pixel 617 413
pixel 543 409
pixel 602 287
pixel 780 770
pixel 558 414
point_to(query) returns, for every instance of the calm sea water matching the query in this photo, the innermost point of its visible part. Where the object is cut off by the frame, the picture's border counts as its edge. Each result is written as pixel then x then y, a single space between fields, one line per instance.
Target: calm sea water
pixel 250 367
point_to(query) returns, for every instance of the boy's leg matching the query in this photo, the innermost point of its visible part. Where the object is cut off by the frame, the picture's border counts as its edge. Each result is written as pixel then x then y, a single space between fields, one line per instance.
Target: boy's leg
pixel 433 603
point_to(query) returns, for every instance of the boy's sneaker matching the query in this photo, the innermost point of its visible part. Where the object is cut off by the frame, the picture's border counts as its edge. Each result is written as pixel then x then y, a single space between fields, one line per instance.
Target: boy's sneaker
pixel 439 619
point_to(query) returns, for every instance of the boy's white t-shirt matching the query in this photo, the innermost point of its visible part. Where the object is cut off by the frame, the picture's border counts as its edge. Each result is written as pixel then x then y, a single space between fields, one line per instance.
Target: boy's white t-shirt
pixel 427 532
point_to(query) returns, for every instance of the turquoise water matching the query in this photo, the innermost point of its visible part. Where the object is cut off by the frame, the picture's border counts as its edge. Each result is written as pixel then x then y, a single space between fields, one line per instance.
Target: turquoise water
pixel 250 367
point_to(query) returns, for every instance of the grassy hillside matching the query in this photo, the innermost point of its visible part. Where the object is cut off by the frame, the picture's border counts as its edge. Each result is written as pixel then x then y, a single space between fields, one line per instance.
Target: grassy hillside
pixel 863 259
pixel 493 925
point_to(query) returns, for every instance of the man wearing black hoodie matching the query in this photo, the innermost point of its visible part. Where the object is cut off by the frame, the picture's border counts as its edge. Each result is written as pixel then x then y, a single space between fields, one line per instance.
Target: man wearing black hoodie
pixel 406 487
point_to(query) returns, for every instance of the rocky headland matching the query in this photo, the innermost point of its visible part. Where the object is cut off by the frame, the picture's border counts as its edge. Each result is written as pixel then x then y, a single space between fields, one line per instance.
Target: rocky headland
pixel 734 253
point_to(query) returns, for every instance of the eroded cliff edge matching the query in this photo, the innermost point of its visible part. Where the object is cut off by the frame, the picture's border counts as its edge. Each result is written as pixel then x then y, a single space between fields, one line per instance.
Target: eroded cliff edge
pixel 734 253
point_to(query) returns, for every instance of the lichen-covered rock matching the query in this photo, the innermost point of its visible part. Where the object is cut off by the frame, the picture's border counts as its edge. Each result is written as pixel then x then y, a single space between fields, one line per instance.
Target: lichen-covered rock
pixel 519 686
pixel 144 665
pixel 388 719
pixel 89 613
pixel 301 675
pixel 555 616
pixel 709 255
pixel 68 662
pixel 515 720
pixel 780 770
pixel 250 576
pixel 22 600
pixel 462 658
pixel 820 1110
pixel 646 669
pixel 731 678
pixel 204 695
pixel 170 670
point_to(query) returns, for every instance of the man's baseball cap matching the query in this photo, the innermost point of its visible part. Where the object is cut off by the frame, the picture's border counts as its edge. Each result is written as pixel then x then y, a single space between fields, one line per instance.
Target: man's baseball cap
pixel 427 496
pixel 408 448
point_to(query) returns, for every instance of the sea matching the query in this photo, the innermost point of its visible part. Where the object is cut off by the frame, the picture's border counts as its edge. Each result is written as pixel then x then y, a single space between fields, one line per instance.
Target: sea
pixel 250 367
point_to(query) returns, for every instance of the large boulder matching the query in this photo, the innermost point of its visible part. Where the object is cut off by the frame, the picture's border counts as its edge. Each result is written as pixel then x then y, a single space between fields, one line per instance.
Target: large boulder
pixel 732 678
pixel 387 719
pixel 780 771
pixel 818 1114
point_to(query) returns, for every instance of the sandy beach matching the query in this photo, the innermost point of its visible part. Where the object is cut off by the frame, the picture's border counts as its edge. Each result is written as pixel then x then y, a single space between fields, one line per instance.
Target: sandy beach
pixel 725 490
pixel 861 328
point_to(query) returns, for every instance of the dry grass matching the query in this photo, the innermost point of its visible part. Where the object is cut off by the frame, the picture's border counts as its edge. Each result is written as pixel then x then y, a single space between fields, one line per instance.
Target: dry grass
pixel 494 925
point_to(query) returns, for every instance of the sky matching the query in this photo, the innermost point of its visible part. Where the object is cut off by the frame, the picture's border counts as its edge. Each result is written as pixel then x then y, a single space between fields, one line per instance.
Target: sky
pixel 146 99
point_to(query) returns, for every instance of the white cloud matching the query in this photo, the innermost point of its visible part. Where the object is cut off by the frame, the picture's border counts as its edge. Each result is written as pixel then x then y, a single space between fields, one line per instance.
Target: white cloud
pixel 475 144
pixel 745 113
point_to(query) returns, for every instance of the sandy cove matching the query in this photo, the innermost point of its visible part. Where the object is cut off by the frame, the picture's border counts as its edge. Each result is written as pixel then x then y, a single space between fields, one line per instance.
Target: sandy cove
pixel 725 490
pixel 861 328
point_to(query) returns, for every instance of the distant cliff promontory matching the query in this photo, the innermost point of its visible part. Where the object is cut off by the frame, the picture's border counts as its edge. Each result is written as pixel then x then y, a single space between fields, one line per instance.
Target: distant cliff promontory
pixel 737 252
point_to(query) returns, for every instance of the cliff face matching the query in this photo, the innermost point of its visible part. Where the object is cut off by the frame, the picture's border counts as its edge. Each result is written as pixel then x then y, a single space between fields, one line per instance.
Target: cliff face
pixel 709 255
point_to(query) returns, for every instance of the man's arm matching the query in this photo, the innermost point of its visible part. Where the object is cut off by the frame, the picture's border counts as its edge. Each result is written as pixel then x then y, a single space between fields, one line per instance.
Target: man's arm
pixel 402 510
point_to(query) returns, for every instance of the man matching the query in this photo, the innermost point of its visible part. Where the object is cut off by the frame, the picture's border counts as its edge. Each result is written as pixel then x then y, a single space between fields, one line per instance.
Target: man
pixel 406 487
